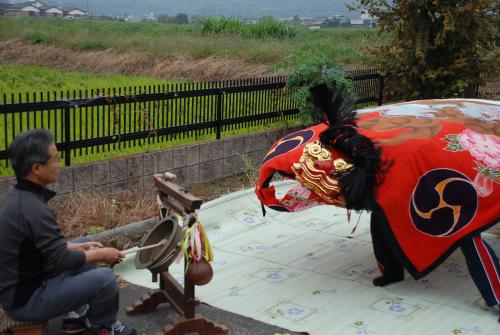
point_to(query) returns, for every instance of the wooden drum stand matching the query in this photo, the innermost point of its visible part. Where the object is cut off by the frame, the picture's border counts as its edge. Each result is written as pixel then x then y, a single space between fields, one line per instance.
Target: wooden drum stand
pixel 175 198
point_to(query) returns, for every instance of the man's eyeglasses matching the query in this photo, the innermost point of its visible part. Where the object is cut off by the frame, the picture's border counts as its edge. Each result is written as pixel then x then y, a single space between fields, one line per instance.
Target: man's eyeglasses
pixel 56 158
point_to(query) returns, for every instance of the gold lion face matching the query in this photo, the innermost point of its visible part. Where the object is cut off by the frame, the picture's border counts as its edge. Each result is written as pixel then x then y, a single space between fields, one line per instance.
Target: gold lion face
pixel 316 171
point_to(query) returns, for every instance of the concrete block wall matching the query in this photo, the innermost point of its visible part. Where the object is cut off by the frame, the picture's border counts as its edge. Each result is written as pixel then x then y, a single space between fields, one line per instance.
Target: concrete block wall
pixel 193 164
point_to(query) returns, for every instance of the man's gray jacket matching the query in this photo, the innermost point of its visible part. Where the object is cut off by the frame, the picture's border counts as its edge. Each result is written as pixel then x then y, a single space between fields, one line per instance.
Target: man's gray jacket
pixel 32 248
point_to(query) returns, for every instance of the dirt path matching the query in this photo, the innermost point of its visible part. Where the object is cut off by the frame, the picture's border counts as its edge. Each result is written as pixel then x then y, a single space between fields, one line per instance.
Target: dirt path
pixel 130 63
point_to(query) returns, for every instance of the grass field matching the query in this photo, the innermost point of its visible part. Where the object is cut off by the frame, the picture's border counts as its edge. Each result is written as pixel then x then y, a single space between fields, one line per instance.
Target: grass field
pixel 147 145
pixel 350 47
pixel 20 82
pixel 170 39
pixel 21 79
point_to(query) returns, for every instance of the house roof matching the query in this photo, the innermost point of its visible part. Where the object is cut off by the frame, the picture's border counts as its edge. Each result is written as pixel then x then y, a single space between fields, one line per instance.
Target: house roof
pixel 42 7
pixel 21 5
pixel 357 22
pixel 47 7
pixel 317 22
pixel 69 9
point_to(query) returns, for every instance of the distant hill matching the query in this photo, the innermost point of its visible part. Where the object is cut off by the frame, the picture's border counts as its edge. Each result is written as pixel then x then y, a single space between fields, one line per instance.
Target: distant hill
pixel 239 8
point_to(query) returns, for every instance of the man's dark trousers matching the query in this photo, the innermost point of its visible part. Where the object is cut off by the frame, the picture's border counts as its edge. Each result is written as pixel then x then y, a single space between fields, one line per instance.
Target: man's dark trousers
pixel 71 290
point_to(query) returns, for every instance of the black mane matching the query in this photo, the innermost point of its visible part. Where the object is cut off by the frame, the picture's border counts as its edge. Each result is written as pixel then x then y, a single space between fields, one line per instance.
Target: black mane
pixel 358 184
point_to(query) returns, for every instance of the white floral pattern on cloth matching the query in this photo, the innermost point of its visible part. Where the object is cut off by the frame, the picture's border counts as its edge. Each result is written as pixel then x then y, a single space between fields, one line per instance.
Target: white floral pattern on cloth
pixel 321 291
pixel 476 330
pixel 453 268
pixel 362 327
pixel 248 216
pixel 274 275
pixel 355 270
pixel 290 311
pixel 256 247
pixel 397 307
pixel 428 285
pixel 234 291
pixel 486 151
pixel 310 256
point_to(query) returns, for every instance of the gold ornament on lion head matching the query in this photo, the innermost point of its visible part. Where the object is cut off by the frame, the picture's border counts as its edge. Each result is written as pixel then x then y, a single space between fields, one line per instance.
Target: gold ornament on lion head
pixel 316 170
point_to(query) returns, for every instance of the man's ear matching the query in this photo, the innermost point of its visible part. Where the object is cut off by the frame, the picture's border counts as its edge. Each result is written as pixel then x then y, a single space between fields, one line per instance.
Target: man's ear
pixel 36 169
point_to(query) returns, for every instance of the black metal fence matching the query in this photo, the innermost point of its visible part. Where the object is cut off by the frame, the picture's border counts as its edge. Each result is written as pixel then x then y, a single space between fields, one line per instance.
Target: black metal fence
pixel 88 121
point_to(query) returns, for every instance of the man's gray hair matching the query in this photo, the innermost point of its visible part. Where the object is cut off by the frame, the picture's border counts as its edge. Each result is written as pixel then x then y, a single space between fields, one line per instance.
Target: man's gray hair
pixel 28 148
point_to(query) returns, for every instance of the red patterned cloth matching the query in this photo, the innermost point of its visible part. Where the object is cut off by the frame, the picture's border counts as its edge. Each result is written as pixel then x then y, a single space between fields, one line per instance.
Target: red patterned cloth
pixel 444 181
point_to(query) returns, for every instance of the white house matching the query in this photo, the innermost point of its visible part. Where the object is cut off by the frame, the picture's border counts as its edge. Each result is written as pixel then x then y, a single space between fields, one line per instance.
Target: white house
pixel 52 11
pixel 23 9
pixel 357 22
pixel 74 12
pixel 39 8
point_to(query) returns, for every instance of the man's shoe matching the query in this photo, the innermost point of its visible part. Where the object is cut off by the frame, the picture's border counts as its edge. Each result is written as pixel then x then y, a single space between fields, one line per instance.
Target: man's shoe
pixel 73 326
pixel 75 322
pixel 116 328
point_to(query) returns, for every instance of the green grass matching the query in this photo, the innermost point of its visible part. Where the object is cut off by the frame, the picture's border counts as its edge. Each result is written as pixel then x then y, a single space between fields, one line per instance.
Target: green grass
pixel 93 122
pixel 266 27
pixel 28 79
pixel 147 145
pixel 350 47
pixel 170 39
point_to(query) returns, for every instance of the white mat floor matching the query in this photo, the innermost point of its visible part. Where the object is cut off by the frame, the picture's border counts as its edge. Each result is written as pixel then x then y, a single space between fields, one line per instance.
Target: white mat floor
pixel 307 272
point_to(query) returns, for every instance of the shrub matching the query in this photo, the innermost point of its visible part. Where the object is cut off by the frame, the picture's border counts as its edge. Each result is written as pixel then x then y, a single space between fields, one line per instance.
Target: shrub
pixel 309 66
pixel 266 27
pixel 35 38
pixel 218 25
pixel 438 47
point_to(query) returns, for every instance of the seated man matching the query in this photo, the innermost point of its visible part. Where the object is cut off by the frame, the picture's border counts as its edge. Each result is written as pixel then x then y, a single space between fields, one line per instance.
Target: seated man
pixel 42 275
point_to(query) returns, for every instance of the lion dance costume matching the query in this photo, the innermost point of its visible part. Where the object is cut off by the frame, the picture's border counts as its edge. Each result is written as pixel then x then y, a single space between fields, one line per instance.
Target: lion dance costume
pixel 429 172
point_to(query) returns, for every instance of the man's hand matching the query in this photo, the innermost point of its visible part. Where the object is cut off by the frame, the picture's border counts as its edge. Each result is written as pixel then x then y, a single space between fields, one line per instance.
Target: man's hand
pixel 91 245
pixel 84 246
pixel 107 255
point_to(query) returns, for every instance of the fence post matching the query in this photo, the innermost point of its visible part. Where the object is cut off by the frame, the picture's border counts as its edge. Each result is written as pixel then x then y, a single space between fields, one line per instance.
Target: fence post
pixel 381 90
pixel 219 114
pixel 67 149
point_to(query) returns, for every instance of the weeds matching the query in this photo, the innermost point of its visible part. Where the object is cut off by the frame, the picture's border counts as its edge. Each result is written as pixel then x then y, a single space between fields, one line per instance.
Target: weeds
pixel 91 213
pixel 251 170
pixel 267 40
pixel 266 27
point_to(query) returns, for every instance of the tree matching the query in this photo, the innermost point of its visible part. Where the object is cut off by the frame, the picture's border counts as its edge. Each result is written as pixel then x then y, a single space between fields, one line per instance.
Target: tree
pixel 163 18
pixel 438 46
pixel 181 18
pixel 331 23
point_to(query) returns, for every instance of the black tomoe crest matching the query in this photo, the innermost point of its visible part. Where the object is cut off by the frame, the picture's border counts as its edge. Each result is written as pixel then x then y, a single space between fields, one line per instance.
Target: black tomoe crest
pixel 443 202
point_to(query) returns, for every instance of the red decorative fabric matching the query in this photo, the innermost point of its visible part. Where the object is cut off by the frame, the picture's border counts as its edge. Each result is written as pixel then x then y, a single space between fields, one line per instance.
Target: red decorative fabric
pixel 443 184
